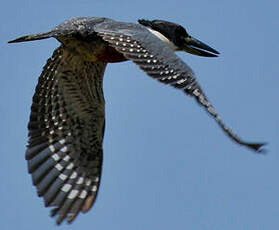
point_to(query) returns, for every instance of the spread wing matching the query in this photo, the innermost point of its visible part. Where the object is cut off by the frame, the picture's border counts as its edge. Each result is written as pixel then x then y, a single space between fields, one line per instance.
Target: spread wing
pixel 66 131
pixel 154 57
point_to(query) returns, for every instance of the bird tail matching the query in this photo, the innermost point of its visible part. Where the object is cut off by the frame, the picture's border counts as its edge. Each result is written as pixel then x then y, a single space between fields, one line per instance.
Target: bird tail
pixel 33 37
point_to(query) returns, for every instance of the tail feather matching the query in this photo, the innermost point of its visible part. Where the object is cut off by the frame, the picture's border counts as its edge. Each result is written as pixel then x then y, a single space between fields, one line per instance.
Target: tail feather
pixel 32 37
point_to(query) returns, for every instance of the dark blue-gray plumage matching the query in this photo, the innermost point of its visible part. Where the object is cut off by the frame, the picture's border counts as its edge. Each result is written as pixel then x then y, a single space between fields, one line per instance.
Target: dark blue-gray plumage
pixel 67 119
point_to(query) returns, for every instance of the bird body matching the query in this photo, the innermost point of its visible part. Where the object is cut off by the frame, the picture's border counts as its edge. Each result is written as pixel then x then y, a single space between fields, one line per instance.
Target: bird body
pixel 67 120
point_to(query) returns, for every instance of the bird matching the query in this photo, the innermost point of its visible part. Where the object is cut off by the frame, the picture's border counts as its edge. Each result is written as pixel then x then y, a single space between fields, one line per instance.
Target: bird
pixel 67 119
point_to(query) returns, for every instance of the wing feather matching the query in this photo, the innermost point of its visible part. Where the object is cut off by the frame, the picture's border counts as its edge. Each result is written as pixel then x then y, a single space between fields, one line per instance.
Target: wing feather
pixel 66 128
pixel 155 58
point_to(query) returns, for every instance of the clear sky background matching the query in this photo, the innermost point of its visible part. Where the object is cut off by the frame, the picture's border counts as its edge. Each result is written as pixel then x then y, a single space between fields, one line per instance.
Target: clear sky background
pixel 167 165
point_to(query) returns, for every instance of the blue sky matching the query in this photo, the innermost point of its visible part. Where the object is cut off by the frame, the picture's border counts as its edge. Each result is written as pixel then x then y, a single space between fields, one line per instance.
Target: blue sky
pixel 167 165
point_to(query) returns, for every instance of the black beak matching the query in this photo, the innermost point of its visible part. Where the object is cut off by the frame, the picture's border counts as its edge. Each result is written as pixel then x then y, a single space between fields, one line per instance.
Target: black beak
pixel 196 47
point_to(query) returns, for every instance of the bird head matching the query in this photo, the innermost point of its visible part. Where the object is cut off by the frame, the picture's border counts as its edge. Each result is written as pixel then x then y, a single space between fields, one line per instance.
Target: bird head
pixel 177 38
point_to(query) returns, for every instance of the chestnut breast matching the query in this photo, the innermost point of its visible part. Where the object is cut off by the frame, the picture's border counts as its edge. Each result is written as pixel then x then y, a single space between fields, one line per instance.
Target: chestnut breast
pixel 111 55
pixel 92 49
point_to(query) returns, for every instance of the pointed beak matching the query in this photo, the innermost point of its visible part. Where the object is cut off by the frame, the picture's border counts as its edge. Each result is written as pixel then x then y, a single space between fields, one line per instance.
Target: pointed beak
pixel 196 47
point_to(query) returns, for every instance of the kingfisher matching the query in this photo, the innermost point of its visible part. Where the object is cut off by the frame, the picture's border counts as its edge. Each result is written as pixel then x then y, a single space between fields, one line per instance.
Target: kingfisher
pixel 67 120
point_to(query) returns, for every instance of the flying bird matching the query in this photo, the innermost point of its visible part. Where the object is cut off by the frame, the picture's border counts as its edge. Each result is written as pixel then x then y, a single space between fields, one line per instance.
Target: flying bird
pixel 67 120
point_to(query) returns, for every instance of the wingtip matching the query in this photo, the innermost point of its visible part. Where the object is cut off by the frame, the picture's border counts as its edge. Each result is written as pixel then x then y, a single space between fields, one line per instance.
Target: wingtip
pixel 32 37
pixel 88 203
pixel 258 147
pixel 72 217
pixel 21 39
